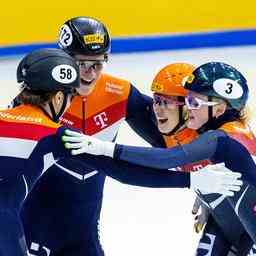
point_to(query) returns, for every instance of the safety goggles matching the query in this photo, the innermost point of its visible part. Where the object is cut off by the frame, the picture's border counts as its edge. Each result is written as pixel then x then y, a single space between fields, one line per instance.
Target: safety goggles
pixel 196 103
pixel 96 65
pixel 168 102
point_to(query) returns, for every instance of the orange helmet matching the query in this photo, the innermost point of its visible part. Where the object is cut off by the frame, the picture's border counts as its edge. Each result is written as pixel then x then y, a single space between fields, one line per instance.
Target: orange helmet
pixel 170 80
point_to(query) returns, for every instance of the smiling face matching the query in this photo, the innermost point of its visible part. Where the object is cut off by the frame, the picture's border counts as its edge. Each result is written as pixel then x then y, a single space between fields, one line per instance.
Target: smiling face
pixel 166 109
pixel 90 70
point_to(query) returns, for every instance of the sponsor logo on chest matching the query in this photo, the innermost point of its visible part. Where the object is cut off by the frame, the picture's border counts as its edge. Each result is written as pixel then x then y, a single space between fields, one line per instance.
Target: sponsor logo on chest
pixel 114 88
pixel 101 120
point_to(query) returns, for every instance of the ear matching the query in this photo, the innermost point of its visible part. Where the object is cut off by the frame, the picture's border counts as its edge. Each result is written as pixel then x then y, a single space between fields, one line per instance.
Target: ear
pixel 220 109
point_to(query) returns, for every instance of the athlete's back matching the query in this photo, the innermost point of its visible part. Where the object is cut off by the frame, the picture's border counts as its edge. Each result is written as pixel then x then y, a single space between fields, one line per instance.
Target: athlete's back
pixel 29 144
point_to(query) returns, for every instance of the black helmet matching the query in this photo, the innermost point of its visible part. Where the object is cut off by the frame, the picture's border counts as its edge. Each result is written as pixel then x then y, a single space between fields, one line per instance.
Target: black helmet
pixel 220 80
pixel 84 35
pixel 48 70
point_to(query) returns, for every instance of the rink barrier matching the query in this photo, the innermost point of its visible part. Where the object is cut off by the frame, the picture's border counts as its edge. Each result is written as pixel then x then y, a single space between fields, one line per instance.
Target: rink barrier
pixel 159 43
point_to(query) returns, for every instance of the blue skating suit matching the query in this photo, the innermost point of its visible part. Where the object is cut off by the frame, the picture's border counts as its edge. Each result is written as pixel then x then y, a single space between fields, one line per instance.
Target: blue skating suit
pixel 63 210
pixel 237 153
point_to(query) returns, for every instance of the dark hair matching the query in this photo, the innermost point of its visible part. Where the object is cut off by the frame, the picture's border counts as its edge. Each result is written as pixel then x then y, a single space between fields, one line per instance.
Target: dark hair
pixel 35 98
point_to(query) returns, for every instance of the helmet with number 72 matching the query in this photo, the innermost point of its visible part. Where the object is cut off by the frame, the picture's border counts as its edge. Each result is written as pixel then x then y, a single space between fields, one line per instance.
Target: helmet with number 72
pixel 84 35
pixel 220 80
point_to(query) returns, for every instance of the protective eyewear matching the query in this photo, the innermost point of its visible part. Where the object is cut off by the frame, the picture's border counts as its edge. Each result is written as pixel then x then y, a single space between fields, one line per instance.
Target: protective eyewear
pixel 166 101
pixel 96 65
pixel 196 103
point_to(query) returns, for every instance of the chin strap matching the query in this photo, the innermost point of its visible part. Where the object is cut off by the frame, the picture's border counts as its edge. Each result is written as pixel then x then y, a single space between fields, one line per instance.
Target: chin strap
pixel 210 116
pixel 55 117
pixel 214 123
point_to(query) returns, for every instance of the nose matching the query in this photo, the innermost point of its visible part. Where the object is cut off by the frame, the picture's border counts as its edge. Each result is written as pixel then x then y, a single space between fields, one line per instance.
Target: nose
pixel 87 70
pixel 158 106
pixel 191 112
pixel 88 74
pixel 158 110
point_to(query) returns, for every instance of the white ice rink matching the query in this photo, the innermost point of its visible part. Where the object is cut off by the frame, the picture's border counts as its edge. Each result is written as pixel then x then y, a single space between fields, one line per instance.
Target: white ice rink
pixel 142 221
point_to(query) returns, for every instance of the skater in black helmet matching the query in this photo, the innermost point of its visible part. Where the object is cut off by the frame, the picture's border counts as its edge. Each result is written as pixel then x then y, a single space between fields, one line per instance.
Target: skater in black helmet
pixel 29 136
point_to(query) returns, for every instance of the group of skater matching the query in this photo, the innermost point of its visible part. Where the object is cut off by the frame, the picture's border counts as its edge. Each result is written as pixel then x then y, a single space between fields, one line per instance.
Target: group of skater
pixel 57 143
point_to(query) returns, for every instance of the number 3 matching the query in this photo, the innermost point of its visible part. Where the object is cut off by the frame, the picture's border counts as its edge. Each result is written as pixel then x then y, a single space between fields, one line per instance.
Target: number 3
pixel 229 90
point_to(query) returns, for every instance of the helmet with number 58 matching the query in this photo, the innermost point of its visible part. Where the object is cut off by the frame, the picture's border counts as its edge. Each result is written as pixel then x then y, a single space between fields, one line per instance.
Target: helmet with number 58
pixel 48 70
pixel 49 78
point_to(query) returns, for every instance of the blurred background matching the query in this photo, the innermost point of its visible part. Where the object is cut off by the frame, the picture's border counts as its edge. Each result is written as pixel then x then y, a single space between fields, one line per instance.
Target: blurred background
pixel 169 24
pixel 147 35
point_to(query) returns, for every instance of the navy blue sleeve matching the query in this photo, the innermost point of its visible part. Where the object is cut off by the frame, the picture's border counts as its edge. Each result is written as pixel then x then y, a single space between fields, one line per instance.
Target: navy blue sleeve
pixel 141 118
pixel 124 172
pixel 213 145
pixel 136 175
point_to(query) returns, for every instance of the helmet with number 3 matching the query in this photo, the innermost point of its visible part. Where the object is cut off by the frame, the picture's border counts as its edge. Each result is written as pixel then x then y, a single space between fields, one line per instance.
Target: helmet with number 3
pixel 220 80
pixel 84 35
pixel 48 70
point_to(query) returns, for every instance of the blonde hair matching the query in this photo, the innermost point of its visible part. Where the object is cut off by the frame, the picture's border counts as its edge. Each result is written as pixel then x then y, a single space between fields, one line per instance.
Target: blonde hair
pixel 244 115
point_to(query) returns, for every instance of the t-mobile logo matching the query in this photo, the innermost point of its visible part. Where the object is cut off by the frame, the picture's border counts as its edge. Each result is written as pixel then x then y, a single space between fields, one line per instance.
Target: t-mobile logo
pixel 100 119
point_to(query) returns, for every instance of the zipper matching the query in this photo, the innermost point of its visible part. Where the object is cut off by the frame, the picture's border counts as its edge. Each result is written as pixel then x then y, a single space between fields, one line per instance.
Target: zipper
pixel 83 112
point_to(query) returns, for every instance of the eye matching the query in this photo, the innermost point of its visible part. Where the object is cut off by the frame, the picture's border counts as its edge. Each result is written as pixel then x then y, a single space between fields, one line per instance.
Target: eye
pixel 195 103
pixel 97 65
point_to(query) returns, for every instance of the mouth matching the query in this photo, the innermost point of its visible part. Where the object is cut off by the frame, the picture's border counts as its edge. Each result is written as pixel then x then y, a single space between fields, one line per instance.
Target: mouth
pixel 191 117
pixel 162 120
pixel 86 82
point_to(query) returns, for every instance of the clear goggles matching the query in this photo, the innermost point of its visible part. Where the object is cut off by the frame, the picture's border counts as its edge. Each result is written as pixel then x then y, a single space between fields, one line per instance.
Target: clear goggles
pixel 96 65
pixel 196 103
pixel 166 101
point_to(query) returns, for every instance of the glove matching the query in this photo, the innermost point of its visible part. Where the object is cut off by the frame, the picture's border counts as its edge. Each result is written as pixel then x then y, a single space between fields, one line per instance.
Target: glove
pixel 216 179
pixel 81 143
pixel 200 219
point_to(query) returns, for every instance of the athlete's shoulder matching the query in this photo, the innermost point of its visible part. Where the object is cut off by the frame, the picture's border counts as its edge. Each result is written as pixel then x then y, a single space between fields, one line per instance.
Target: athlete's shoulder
pixel 108 78
pixel 237 127
pixel 186 135
pixel 183 136
pixel 113 84
pixel 26 121
pixel 241 133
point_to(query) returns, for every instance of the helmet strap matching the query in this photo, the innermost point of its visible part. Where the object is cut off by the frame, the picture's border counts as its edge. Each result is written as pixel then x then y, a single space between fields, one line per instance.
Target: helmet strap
pixel 214 123
pixel 210 115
